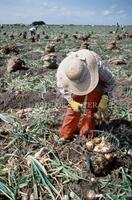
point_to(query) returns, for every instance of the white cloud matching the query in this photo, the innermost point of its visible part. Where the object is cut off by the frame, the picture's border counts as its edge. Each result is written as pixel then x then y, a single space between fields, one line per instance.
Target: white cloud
pixel 107 12
pixel 114 12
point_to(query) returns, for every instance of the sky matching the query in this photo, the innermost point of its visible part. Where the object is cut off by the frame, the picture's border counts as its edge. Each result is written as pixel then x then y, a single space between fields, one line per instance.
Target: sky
pixel 94 12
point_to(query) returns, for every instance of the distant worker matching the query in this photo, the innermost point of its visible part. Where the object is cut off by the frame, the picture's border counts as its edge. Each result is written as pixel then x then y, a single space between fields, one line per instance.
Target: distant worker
pixel 117 27
pixel 33 31
pixel 83 79
pixel 123 29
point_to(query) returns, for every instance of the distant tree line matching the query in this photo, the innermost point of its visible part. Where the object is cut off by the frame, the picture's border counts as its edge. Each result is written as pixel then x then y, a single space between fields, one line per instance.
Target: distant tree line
pixel 38 23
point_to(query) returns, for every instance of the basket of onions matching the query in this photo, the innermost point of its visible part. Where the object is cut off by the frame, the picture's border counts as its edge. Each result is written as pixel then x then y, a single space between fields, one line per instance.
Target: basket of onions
pixel 102 150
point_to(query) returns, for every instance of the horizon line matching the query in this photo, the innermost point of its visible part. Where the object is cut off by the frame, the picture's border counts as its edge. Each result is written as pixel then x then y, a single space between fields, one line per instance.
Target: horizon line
pixel 65 24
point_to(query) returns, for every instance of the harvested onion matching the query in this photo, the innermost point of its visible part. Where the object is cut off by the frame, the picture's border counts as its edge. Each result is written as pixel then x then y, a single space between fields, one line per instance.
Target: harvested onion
pixel 108 156
pixel 91 195
pixel 90 145
pixel 65 197
pixel 32 196
pixel 97 140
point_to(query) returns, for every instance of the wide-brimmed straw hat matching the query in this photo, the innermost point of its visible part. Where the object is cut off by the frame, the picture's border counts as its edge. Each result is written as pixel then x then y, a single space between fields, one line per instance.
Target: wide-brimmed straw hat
pixel 78 72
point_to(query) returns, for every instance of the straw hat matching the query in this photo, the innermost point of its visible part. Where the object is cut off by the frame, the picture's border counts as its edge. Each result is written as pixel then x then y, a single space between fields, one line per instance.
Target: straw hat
pixel 78 72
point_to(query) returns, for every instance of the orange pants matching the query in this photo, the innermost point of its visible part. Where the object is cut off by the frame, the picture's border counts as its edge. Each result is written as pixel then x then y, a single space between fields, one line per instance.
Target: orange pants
pixel 72 118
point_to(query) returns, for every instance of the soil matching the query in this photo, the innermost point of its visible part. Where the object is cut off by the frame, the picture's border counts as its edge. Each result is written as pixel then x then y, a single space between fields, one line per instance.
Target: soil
pixel 23 99
pixel 27 71
pixel 2 72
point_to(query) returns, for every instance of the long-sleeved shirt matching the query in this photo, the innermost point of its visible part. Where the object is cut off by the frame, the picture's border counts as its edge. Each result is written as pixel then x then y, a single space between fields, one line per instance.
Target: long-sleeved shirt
pixel 33 29
pixel 106 83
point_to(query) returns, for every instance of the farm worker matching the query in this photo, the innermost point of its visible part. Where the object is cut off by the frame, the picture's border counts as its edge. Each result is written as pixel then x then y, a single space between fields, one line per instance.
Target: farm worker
pixel 83 79
pixel 117 27
pixel 33 31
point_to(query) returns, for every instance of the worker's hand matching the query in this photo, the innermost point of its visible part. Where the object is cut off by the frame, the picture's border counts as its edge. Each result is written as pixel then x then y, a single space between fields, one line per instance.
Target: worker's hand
pixel 103 114
pixel 75 106
pixel 103 104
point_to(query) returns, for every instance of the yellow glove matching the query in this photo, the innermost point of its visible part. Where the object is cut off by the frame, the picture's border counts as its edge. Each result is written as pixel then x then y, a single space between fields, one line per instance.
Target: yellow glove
pixel 103 104
pixel 75 105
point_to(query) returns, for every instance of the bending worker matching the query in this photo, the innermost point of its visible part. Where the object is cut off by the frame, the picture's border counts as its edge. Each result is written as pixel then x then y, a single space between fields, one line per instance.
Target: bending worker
pixel 83 79
pixel 33 31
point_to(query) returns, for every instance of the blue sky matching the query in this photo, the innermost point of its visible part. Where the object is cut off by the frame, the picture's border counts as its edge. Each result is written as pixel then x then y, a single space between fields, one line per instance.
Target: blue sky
pixel 66 11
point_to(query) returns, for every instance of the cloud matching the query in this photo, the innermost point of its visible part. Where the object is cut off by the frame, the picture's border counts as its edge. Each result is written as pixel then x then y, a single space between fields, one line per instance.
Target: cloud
pixel 114 12
pixel 107 12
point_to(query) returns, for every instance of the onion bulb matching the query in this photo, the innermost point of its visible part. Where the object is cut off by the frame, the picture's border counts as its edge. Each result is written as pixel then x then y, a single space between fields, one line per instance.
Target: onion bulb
pixel 32 196
pixel 97 140
pixel 72 195
pixel 108 156
pixel 91 195
pixel 65 197
pixel 90 145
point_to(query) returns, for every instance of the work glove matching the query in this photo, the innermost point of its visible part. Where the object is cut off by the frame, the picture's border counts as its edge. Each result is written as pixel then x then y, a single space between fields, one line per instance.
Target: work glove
pixel 103 113
pixel 75 106
pixel 103 104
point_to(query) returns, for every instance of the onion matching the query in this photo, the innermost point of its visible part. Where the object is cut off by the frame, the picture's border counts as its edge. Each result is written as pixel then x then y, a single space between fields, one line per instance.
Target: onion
pixel 129 152
pixel 24 196
pixel 90 145
pixel 65 197
pixel 93 179
pixel 32 196
pixel 108 156
pixel 105 149
pixel 97 140
pixel 91 195
pixel 72 195
pixel 97 148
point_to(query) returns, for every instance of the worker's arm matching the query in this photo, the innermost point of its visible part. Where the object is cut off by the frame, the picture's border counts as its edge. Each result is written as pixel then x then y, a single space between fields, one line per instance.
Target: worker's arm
pixel 107 82
pixel 108 79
